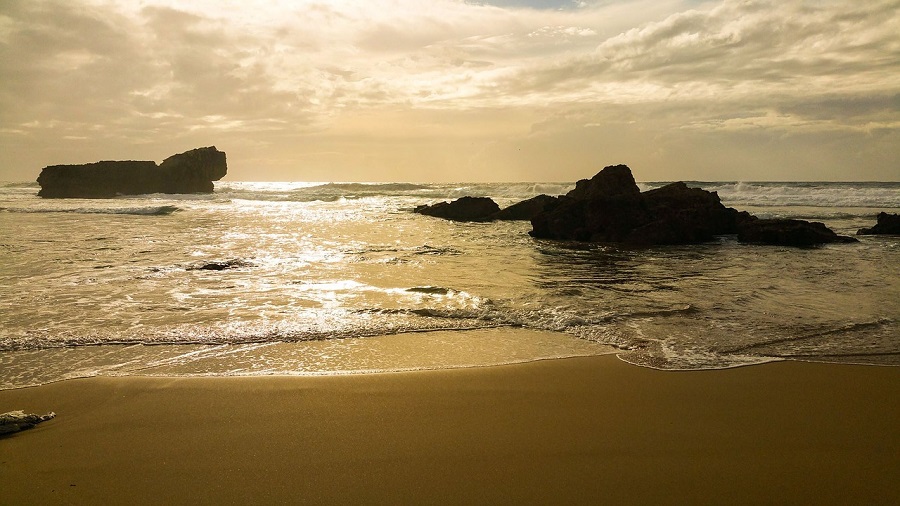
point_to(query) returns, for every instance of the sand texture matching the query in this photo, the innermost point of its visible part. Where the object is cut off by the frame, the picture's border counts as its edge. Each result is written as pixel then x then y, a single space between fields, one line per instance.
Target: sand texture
pixel 572 431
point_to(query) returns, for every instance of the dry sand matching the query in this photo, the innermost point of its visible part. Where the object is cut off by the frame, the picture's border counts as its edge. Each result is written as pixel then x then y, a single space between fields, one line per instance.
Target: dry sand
pixel 572 431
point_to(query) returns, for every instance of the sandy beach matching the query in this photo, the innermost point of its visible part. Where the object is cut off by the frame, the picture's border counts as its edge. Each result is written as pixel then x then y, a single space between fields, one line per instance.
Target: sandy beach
pixel 570 431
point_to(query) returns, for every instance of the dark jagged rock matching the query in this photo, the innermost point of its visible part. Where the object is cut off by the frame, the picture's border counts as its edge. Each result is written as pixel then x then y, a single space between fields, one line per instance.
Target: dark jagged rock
pixel 463 209
pixel 786 232
pixel 190 172
pixel 682 214
pixel 612 181
pixel 596 220
pixel 525 210
pixel 886 224
pixel 15 421
pixel 610 208
pixel 604 208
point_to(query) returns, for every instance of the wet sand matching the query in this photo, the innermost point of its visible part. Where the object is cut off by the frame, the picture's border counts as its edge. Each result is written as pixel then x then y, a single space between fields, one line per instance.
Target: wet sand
pixel 570 431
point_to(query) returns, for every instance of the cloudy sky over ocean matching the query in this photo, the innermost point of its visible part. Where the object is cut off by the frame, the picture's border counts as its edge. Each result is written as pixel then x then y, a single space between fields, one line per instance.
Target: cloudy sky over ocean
pixel 450 90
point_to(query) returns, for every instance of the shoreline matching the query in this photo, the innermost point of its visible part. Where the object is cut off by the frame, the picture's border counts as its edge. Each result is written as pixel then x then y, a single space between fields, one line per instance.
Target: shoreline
pixel 571 430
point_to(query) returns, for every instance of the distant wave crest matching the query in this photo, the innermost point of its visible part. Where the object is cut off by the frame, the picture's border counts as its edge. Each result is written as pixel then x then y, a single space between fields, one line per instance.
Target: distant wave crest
pixel 881 195
pixel 372 187
pixel 141 211
pixel 20 184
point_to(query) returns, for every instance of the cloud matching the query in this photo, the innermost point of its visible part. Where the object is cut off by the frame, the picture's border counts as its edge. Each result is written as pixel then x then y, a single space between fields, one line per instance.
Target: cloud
pixel 280 74
pixel 741 48
pixel 293 60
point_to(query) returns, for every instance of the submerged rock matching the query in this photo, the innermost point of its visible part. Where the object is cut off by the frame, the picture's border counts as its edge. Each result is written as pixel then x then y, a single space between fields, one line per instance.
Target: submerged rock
pixel 611 208
pixel 785 232
pixel 886 224
pixel 15 421
pixel 222 265
pixel 190 172
pixel 463 209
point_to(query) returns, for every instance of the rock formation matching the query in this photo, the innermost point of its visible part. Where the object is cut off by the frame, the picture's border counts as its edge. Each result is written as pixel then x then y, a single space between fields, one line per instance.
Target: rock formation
pixel 463 209
pixel 614 181
pixel 886 224
pixel 189 172
pixel 786 232
pixel 485 209
pixel 610 208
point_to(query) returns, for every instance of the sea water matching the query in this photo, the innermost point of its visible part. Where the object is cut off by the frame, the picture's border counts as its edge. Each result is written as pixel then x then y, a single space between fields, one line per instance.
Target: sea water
pixel 323 278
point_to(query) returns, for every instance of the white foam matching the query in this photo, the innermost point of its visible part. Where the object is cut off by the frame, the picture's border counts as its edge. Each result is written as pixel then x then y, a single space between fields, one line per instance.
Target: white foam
pixel 808 194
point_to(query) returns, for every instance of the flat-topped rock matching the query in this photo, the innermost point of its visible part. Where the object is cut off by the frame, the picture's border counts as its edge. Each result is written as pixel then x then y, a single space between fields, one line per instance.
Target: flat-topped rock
pixel 462 209
pixel 190 172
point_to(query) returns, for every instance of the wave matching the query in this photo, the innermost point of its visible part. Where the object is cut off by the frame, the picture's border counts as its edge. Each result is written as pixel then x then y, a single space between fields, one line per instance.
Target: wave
pixel 735 194
pixel 372 187
pixel 799 194
pixel 431 250
pixel 847 329
pixel 513 190
pixel 329 192
pixel 312 192
pixel 824 214
pixel 140 211
pixel 840 195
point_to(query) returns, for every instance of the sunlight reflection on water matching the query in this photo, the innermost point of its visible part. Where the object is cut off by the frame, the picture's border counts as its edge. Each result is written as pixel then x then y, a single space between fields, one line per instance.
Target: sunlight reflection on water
pixel 332 263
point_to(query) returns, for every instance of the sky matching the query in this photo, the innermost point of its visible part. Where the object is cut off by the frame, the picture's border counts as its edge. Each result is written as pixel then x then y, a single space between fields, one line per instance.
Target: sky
pixel 454 90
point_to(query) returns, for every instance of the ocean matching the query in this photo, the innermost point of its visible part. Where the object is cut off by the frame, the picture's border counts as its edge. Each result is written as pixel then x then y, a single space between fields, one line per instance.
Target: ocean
pixel 333 278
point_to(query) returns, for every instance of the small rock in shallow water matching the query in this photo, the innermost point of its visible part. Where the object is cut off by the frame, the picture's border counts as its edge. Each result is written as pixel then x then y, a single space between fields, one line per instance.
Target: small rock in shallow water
pixel 15 421
pixel 462 209
pixel 787 232
pixel 887 224
pixel 221 266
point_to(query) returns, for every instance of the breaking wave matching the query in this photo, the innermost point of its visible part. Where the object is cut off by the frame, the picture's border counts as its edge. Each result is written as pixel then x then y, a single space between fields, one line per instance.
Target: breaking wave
pixel 139 211
pixel 834 195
